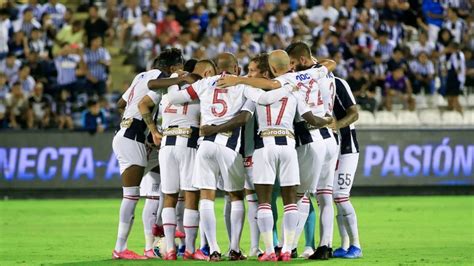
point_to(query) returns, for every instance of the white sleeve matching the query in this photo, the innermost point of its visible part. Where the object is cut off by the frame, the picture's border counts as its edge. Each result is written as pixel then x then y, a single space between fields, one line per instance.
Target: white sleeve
pixel 174 87
pixel 179 97
pixel 319 72
pixel 269 97
pixel 249 106
pixel 154 96
pixel 301 107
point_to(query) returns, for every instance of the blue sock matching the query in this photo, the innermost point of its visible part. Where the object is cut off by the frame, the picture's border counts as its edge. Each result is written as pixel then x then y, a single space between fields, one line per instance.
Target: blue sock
pixel 309 226
pixel 276 190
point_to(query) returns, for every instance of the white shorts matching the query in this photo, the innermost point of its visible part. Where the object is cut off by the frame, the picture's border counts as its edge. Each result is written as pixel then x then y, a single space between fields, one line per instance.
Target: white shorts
pixel 128 152
pixel 248 166
pixel 273 161
pixel 177 165
pixel 326 177
pixel 150 184
pixel 216 164
pixel 344 178
pixel 310 160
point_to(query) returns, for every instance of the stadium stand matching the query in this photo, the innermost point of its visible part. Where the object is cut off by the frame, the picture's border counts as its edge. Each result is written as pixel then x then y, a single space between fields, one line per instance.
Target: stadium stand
pixel 369 40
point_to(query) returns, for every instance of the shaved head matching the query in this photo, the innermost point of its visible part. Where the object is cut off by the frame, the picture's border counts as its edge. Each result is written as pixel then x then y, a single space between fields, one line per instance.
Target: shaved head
pixel 205 68
pixel 279 62
pixel 226 62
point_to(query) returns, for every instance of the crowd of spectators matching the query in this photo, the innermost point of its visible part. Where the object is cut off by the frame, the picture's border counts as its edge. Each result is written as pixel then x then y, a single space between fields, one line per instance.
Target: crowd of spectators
pixel 54 68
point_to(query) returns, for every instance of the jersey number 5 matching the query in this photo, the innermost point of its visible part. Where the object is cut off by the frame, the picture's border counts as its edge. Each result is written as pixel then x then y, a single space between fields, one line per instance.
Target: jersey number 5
pixel 280 114
pixel 220 101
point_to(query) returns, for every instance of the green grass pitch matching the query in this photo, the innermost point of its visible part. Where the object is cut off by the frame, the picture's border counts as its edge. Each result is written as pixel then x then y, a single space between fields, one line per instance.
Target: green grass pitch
pixel 393 230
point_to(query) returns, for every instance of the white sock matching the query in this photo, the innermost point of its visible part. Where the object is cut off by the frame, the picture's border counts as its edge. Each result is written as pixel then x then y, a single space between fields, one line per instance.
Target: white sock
pixel 169 226
pixel 237 215
pixel 160 208
pixel 303 213
pixel 252 219
pixel 208 218
pixel 202 235
pixel 290 219
pixel 265 225
pixel 227 209
pixel 149 218
pixel 350 221
pixel 131 195
pixel 326 217
pixel 179 218
pixel 191 223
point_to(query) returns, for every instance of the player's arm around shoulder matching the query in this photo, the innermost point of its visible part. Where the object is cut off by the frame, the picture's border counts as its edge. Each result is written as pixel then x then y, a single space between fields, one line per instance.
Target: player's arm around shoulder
pixel 262 83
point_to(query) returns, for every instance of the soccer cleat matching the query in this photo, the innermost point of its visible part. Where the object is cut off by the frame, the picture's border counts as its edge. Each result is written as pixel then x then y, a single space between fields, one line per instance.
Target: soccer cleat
pixel 285 256
pixel 181 251
pixel 205 250
pixel 188 255
pixel 179 234
pixel 127 255
pixel 353 253
pixel 255 252
pixel 215 256
pixel 330 252
pixel 268 257
pixel 277 250
pixel 294 253
pixel 308 251
pixel 339 253
pixel 199 255
pixel 158 230
pixel 151 254
pixel 170 255
pixel 234 255
pixel 321 253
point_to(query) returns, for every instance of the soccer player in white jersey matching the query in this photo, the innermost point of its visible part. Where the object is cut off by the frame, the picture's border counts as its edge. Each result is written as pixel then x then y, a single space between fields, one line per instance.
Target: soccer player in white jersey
pixel 180 125
pixel 311 142
pixel 345 110
pixel 217 159
pixel 129 146
pixel 275 156
pixel 319 148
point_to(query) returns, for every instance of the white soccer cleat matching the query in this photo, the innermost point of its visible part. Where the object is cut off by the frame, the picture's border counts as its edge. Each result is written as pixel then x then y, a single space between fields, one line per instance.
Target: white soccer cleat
pixel 255 252
pixel 308 251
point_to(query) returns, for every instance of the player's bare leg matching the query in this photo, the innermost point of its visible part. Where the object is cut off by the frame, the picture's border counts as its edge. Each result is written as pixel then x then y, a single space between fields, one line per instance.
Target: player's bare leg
pixel 290 220
pixel 265 220
pixel 169 225
pixel 131 179
pixel 237 215
pixel 252 203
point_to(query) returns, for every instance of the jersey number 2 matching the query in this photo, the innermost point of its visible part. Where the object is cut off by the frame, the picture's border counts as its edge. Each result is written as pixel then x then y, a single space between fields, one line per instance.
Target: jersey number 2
pixel 280 114
pixel 171 110
pixel 217 100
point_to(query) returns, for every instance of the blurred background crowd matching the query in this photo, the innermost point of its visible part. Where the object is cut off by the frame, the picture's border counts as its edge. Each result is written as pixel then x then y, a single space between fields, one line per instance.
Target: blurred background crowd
pixel 63 64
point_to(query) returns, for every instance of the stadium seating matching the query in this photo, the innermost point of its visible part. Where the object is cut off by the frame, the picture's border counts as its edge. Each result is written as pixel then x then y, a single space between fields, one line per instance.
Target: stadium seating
pixel 365 118
pixel 469 117
pixel 408 118
pixel 451 118
pixel 430 117
pixel 385 118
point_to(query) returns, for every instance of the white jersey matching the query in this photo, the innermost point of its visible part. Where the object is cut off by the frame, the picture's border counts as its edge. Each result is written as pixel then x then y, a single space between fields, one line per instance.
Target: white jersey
pixel 181 115
pixel 328 92
pixel 137 90
pixel 307 82
pixel 281 114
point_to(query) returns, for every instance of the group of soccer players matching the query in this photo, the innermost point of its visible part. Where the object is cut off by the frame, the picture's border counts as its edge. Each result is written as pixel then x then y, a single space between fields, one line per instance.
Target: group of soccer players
pixel 289 122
